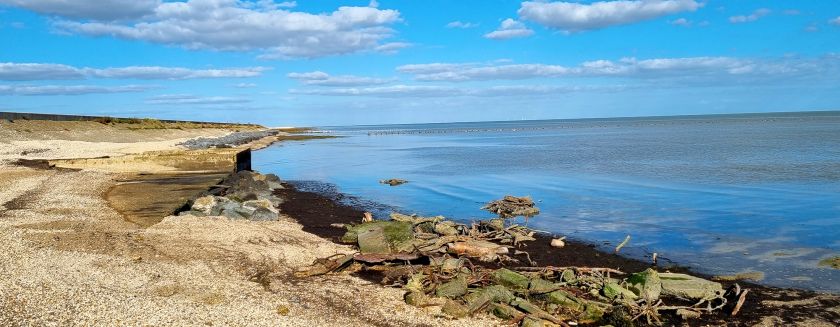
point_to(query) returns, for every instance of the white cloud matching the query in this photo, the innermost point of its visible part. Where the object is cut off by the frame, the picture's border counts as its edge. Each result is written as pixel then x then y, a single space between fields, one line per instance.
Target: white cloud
pixel 510 29
pixel 835 21
pixel 232 25
pixel 173 73
pixel 460 24
pixel 681 22
pixel 792 12
pixel 32 71
pixel 188 99
pixel 88 9
pixel 244 85
pixel 37 90
pixel 693 69
pixel 392 47
pixel 47 71
pixel 758 13
pixel 421 91
pixel 323 79
pixel 432 68
pixel 573 17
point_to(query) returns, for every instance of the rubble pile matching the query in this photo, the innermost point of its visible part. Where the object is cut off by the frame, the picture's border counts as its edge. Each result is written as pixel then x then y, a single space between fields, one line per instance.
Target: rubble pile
pixel 461 270
pixel 244 195
pixel 511 206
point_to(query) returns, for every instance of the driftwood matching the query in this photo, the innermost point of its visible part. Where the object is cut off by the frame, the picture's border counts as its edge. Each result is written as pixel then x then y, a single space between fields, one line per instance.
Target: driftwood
pixel 622 244
pixel 561 269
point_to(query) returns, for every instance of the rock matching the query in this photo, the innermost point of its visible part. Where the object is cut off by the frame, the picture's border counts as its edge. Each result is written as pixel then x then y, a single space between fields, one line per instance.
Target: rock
pixel 541 286
pixel 504 311
pixel 568 276
pixel 204 205
pixel 258 204
pixel 586 311
pixel 382 236
pixel 454 309
pixel 260 210
pixel 533 322
pixel 618 317
pixel 496 294
pixel 646 285
pixel 263 214
pixel 689 287
pixel 274 182
pixel 533 310
pixel 417 299
pixel 612 291
pixel 558 242
pixel 446 228
pixel 447 264
pixel 497 224
pixel 283 310
pixel 749 275
pixel 510 278
pixel 393 181
pixel 686 314
pixel 453 288
pixel 565 299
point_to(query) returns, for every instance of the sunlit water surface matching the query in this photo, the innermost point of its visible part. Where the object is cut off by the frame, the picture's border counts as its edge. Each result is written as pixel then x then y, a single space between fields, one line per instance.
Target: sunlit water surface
pixel 721 194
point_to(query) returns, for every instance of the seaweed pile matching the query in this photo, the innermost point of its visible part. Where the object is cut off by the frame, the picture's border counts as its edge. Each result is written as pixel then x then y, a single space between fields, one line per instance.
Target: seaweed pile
pixel 480 268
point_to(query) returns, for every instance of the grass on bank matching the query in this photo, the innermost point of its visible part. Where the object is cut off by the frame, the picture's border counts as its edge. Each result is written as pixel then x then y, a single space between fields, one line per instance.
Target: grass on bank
pixel 149 123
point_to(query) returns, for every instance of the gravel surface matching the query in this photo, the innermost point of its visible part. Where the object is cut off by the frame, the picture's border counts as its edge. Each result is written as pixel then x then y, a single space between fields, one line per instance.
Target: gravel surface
pixel 68 259
pixel 230 140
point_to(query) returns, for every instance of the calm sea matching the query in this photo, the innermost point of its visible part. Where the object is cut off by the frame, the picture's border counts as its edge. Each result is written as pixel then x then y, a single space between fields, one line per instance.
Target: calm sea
pixel 721 194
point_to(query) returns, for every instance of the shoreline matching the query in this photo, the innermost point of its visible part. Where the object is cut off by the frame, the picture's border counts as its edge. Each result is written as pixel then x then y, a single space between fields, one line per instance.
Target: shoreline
pixel 66 245
pixel 765 306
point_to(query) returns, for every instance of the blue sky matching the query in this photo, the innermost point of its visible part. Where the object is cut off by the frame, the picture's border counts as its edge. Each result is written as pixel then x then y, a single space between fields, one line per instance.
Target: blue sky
pixel 361 62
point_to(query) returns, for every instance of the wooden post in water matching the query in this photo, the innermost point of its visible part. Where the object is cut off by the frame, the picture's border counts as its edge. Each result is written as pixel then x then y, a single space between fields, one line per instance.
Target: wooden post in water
pixel 243 161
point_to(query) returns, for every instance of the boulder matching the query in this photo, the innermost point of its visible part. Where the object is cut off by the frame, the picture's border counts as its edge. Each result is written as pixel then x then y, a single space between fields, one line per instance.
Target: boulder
pixel 381 236
pixel 612 291
pixel 446 228
pixel 504 311
pixel 646 285
pixel 274 182
pixel 261 210
pixel 689 287
pixel 541 286
pixel 454 309
pixel 454 288
pixel 511 279
pixel 204 205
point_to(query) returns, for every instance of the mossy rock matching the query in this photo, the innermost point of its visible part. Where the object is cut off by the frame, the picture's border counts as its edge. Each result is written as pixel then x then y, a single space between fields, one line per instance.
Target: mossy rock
pixel 613 291
pixel 454 288
pixel 689 287
pixel 510 278
pixel 504 311
pixel 381 236
pixel 541 286
pixel 646 284
pixel 454 309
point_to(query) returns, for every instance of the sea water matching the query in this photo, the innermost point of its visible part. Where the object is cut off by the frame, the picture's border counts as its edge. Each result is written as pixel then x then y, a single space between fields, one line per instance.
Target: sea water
pixel 722 194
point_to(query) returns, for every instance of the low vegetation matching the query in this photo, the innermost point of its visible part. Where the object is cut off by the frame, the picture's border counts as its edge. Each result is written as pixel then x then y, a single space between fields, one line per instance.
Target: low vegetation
pixel 149 123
